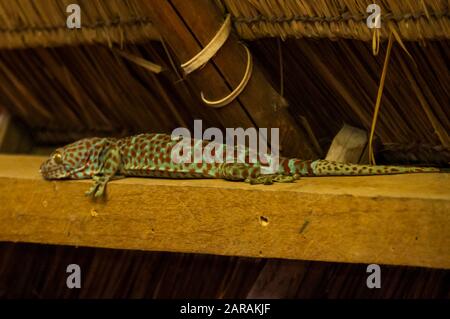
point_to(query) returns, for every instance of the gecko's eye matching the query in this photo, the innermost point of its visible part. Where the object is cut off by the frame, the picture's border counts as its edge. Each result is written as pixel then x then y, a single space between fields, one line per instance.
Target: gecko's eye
pixel 57 157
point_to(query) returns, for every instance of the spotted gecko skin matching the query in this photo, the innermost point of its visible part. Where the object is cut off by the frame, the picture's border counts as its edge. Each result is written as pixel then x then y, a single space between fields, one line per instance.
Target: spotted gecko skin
pixel 150 155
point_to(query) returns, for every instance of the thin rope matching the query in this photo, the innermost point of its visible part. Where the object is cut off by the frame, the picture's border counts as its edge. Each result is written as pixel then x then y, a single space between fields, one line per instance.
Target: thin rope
pixel 376 35
pixel 376 41
pixel 378 101
pixel 402 45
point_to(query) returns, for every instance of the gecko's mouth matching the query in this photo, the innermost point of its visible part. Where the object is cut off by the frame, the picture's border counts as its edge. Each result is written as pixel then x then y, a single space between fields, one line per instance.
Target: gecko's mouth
pixel 55 173
pixel 51 170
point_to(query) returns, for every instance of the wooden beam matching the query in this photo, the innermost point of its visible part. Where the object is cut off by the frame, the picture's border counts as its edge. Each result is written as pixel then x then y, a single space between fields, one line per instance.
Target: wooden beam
pixel 348 145
pixel 188 26
pixel 400 220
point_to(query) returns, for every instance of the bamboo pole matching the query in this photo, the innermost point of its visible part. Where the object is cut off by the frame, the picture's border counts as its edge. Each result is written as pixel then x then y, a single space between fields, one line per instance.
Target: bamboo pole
pixel 189 26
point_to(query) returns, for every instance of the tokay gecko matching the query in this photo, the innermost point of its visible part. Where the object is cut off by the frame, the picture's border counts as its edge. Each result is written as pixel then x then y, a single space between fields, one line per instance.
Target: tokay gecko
pixel 150 155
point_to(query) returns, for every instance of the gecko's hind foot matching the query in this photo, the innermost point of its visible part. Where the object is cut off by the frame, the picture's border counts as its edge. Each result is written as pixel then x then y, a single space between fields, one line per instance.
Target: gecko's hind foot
pixel 270 179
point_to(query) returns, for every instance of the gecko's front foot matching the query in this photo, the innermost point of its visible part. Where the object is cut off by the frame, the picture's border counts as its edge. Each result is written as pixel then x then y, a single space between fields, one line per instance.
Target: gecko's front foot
pixel 98 189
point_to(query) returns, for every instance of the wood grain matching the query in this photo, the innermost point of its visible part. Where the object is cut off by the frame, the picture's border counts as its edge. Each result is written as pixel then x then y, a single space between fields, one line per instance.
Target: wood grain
pixel 400 220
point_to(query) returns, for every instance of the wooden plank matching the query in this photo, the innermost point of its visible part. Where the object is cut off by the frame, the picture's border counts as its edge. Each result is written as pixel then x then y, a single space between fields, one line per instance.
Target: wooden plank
pixel 401 219
pixel 348 145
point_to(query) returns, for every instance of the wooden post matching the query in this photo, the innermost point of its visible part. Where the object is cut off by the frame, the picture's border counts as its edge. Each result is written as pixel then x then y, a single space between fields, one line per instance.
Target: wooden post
pixel 348 145
pixel 188 26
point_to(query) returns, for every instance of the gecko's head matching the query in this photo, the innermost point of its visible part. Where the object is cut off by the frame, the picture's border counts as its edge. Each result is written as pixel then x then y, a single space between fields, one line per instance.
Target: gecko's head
pixel 73 160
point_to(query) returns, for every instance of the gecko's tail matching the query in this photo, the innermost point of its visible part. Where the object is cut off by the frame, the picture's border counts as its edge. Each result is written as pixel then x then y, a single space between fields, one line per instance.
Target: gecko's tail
pixel 325 168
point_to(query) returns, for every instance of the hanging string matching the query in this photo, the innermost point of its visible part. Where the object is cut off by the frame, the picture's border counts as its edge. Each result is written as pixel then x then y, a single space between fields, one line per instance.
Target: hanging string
pixel 375 41
pixel 399 40
pixel 376 33
pixel 378 101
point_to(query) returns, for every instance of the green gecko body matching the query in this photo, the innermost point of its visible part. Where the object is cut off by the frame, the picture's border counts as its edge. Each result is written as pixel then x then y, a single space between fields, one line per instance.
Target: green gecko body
pixel 150 155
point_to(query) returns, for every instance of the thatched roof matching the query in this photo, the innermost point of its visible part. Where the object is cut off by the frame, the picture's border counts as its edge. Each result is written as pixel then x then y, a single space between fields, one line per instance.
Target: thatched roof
pixel 161 275
pixel 66 92
pixel 26 23
pixel 413 20
pixel 62 85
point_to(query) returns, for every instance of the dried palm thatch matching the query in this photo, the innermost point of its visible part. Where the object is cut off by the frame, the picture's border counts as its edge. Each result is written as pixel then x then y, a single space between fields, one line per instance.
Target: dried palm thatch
pixel 28 271
pixel 65 93
pixel 411 19
pixel 336 81
pixel 29 23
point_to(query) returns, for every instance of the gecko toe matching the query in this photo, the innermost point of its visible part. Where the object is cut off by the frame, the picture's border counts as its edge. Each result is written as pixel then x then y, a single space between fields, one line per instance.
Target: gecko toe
pixel 100 190
pixel 91 191
pixel 284 179
pixel 270 179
